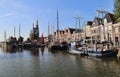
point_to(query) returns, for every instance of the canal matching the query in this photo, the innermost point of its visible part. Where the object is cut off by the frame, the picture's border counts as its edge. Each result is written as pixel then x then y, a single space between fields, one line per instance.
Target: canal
pixel 43 63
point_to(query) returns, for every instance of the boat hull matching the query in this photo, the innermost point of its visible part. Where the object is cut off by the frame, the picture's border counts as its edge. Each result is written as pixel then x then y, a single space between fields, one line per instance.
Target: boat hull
pixel 108 53
pixel 59 47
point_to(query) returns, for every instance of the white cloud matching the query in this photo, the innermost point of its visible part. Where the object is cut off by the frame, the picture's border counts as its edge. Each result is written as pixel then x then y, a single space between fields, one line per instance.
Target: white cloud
pixel 8 14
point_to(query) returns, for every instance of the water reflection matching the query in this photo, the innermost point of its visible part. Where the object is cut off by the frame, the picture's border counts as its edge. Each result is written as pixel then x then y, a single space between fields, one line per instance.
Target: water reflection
pixel 39 62
pixel 42 50
pixel 9 50
pixel 34 51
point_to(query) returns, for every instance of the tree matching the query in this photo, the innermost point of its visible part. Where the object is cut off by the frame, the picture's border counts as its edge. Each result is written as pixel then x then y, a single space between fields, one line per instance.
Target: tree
pixel 31 35
pixel 20 39
pixel 117 10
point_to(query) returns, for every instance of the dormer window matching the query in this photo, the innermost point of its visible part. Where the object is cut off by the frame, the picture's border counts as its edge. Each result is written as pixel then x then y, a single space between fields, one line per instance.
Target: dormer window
pixel 93 24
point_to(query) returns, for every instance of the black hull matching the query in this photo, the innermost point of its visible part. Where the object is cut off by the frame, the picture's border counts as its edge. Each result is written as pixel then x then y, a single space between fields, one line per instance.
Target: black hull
pixel 108 53
pixel 58 47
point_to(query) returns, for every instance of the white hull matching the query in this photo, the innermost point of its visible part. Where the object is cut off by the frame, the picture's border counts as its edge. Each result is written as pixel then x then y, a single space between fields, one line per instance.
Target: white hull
pixel 74 51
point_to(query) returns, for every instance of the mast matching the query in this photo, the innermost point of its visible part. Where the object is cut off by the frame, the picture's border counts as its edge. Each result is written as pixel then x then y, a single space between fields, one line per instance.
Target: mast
pixel 48 29
pixel 14 32
pixel 57 20
pixel 5 35
pixel 48 33
pixel 19 30
pixel 33 32
pixel 57 26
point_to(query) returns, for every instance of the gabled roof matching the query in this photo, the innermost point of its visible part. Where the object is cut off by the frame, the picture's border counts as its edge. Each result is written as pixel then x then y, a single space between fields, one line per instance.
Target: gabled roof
pixel 89 22
pixel 97 21
pixel 71 30
pixel 110 16
pixel 61 31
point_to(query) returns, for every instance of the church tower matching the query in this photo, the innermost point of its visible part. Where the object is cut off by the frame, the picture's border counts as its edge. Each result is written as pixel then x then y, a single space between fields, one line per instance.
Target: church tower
pixel 37 24
pixel 34 34
pixel 37 31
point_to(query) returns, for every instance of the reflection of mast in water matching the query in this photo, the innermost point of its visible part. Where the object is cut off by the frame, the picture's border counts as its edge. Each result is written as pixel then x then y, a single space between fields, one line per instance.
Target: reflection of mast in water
pixel 42 50
pixel 35 51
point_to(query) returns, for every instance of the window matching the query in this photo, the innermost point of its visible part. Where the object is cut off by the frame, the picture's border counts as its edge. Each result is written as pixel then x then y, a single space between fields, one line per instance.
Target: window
pixel 119 28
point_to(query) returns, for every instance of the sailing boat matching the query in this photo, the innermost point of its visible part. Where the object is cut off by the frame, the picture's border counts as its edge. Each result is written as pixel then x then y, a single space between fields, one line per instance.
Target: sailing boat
pixel 57 45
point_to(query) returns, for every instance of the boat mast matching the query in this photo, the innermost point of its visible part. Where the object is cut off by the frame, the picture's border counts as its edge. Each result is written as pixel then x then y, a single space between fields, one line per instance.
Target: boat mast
pixel 19 30
pixel 5 35
pixel 14 32
pixel 48 33
pixel 48 29
pixel 57 26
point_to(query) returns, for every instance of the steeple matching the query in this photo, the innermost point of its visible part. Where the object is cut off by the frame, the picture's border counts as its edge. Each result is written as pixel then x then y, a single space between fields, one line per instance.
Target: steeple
pixel 33 25
pixel 37 23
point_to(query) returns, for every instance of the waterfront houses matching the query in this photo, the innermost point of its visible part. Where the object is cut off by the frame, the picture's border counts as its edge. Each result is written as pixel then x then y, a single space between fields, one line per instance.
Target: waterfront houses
pixel 98 30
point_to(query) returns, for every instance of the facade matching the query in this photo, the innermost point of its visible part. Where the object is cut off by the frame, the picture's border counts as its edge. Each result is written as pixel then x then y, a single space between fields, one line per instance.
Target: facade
pixel 98 30
pixel 116 34
pixel 101 30
pixel 68 35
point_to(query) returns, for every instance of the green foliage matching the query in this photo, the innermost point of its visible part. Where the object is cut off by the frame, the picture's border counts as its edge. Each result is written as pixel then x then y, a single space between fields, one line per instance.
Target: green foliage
pixel 31 36
pixel 117 10
pixel 20 39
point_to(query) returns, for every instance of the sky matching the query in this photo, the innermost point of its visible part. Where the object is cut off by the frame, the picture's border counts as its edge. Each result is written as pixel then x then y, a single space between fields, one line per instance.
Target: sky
pixel 25 13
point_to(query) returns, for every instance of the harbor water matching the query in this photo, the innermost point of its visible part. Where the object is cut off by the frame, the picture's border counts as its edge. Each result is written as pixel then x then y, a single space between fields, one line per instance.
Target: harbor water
pixel 40 62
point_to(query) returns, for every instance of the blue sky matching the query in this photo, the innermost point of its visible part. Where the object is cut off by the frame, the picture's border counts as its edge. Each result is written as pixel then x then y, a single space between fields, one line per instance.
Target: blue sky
pixel 26 12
